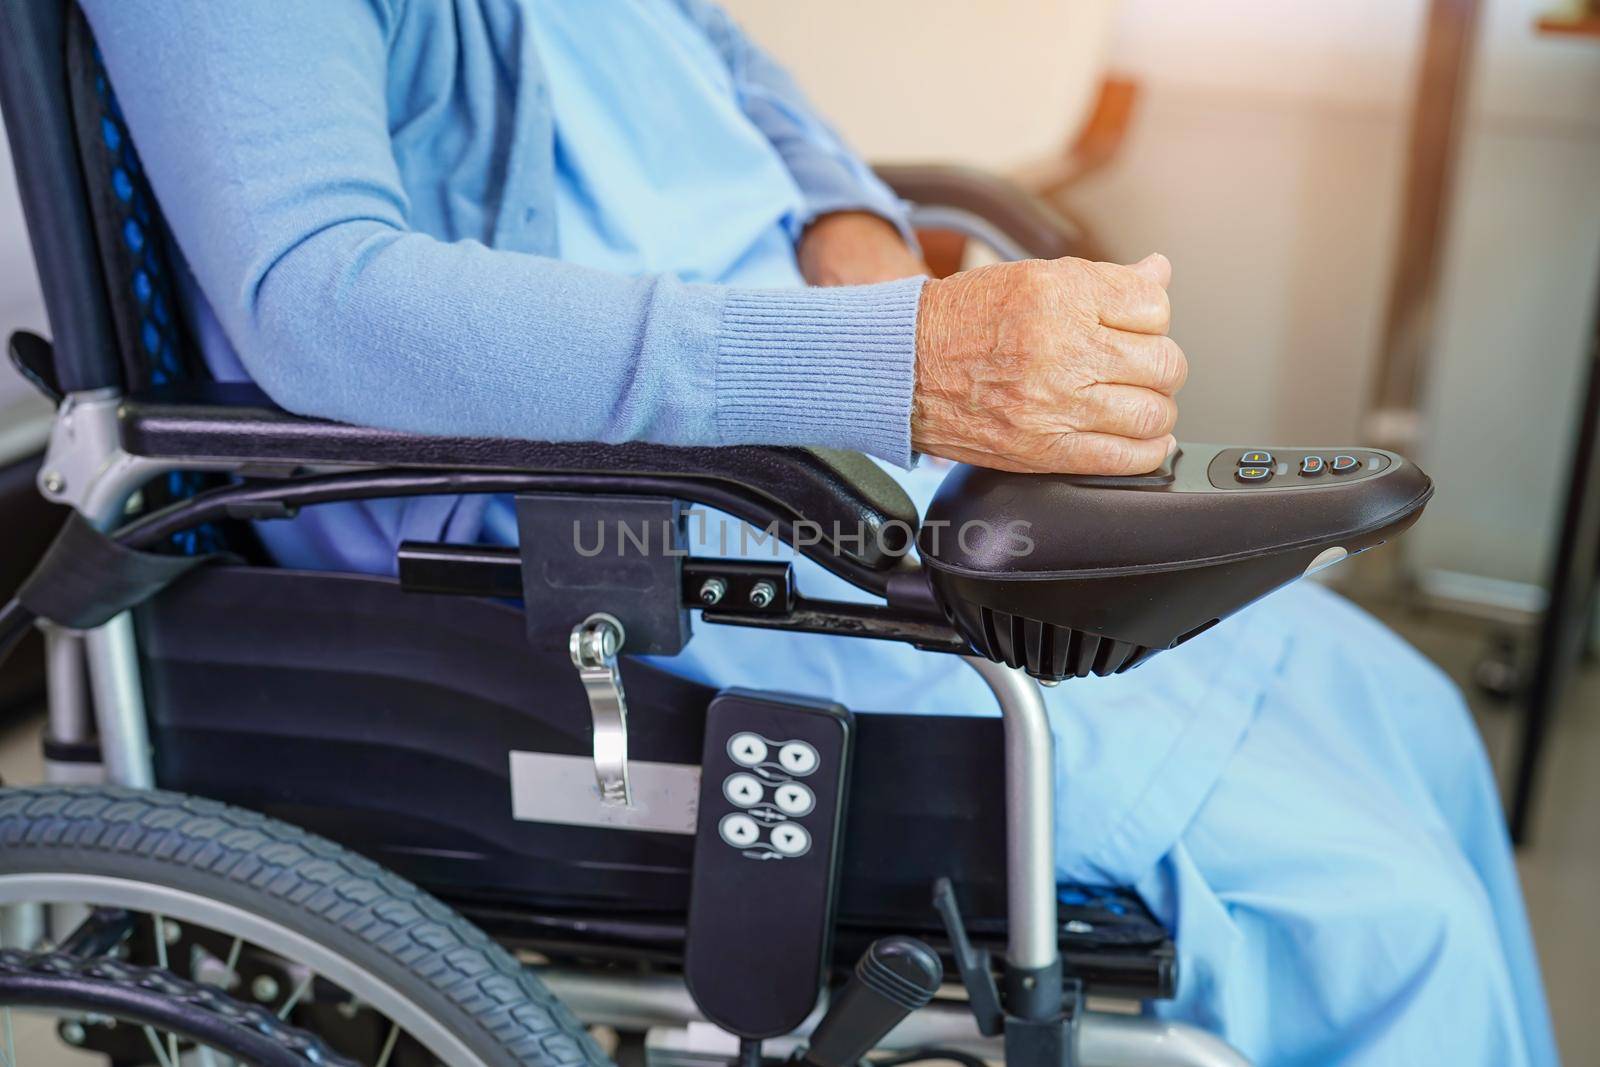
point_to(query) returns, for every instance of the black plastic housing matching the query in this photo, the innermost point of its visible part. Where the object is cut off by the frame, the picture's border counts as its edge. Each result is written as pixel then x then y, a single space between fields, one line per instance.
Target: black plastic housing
pixel 1069 576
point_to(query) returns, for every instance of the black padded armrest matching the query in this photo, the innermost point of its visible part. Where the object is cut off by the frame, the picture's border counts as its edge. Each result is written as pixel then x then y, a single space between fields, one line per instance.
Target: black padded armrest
pixel 237 423
pixel 1015 212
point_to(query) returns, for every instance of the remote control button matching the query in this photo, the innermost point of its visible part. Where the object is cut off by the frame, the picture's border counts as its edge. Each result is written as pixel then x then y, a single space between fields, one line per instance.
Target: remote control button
pixel 1253 474
pixel 1343 464
pixel 747 750
pixel 794 799
pixel 1312 466
pixel 1256 459
pixel 791 839
pixel 797 757
pixel 738 830
pixel 742 789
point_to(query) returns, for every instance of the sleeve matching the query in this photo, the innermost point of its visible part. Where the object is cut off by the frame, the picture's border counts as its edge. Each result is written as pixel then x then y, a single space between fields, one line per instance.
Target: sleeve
pixel 264 131
pixel 830 175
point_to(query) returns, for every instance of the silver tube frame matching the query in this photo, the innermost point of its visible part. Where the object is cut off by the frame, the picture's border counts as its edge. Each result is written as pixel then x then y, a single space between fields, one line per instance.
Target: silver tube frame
pixel 1030 816
pixel 86 468
pixel 71 715
pixel 967 224
pixel 1105 1039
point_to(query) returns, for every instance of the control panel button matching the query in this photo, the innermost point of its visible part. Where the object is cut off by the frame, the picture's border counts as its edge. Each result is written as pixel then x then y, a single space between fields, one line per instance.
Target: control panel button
pixel 742 789
pixel 1311 466
pixel 1344 464
pixel 797 757
pixel 794 799
pixel 1256 459
pixel 790 839
pixel 738 830
pixel 1253 474
pixel 747 750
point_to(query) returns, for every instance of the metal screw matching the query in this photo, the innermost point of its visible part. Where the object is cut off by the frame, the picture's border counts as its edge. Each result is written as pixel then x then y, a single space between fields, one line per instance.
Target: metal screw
pixel 712 591
pixel 1049 683
pixel 54 483
pixel 264 988
pixel 762 594
pixel 171 931
pixel 72 1032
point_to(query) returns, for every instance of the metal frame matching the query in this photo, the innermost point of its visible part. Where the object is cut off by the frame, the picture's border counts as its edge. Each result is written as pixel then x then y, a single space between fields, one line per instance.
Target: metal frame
pixel 86 468
pixel 1031 926
pixel 967 224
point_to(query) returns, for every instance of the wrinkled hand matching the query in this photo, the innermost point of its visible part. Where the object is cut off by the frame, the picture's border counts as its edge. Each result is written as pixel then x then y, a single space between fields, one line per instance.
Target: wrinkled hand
pixel 855 248
pixel 1048 366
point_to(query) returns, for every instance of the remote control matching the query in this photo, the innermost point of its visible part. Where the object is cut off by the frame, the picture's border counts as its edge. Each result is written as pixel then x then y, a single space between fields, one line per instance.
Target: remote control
pixel 766 859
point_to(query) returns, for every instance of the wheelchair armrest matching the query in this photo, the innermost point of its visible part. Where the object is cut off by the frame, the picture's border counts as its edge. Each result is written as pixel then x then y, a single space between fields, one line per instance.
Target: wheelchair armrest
pixel 235 423
pixel 1026 219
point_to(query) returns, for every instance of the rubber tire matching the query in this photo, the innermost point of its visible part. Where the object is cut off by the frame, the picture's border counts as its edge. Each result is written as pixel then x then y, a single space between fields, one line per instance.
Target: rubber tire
pixel 392 929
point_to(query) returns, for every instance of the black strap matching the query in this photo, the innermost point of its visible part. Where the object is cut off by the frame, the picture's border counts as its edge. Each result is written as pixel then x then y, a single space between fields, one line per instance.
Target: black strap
pixel 86 578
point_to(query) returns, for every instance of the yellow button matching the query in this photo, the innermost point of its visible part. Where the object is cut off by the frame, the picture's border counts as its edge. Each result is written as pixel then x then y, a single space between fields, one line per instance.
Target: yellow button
pixel 1255 459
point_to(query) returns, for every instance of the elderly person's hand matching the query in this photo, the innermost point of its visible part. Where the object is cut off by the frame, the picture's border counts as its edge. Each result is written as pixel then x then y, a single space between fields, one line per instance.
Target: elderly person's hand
pixel 855 248
pixel 1048 366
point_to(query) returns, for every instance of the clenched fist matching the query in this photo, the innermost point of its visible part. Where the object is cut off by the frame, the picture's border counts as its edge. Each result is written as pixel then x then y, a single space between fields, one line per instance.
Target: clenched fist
pixel 1048 366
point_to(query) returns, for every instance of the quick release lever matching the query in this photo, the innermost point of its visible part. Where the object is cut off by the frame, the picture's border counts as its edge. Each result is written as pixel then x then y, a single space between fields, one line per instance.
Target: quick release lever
pixel 594 645
pixel 973 964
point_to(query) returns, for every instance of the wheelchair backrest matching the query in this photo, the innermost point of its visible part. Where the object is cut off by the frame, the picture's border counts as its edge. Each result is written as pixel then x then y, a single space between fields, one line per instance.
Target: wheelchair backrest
pixel 103 256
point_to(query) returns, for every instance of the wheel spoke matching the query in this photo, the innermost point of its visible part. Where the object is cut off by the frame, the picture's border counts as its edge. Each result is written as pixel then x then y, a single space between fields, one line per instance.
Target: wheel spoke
pixel 9 1058
pixel 388 1045
pixel 155 1046
pixel 294 997
pixel 161 959
pixel 231 970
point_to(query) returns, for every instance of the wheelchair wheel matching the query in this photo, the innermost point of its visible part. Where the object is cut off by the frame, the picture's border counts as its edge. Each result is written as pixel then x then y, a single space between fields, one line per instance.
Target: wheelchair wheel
pixel 175 1018
pixel 329 941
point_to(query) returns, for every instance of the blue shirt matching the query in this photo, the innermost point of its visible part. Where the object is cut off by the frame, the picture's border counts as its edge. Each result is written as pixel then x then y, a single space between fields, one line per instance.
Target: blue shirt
pixel 688 185
pixel 365 192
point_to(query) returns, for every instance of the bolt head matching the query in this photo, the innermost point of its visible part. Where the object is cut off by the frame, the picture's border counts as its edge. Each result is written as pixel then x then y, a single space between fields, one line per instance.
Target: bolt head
pixel 762 594
pixel 264 987
pixel 72 1032
pixel 712 591
pixel 53 483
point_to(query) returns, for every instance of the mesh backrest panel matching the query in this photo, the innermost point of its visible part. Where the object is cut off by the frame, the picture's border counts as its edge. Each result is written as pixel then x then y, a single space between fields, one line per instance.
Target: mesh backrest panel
pixel 135 255
pixel 132 238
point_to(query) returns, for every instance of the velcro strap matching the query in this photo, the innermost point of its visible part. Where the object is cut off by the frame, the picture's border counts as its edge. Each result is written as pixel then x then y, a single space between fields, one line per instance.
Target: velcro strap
pixel 86 578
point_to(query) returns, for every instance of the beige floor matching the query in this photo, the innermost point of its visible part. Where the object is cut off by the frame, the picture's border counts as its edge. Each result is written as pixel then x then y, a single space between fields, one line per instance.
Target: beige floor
pixel 1560 869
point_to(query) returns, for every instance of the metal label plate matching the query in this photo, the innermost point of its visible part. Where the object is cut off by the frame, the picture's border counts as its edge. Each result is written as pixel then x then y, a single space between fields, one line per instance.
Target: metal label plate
pixel 546 787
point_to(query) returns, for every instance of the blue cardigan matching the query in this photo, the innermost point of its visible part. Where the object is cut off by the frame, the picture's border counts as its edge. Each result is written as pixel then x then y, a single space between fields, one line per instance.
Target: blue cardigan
pixel 363 190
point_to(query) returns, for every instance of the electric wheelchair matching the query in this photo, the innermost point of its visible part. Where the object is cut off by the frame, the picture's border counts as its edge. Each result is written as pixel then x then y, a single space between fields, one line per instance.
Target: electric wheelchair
pixel 337 818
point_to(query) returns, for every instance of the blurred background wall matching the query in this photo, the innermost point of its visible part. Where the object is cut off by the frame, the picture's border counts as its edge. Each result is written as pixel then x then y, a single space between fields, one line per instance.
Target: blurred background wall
pixel 1266 156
